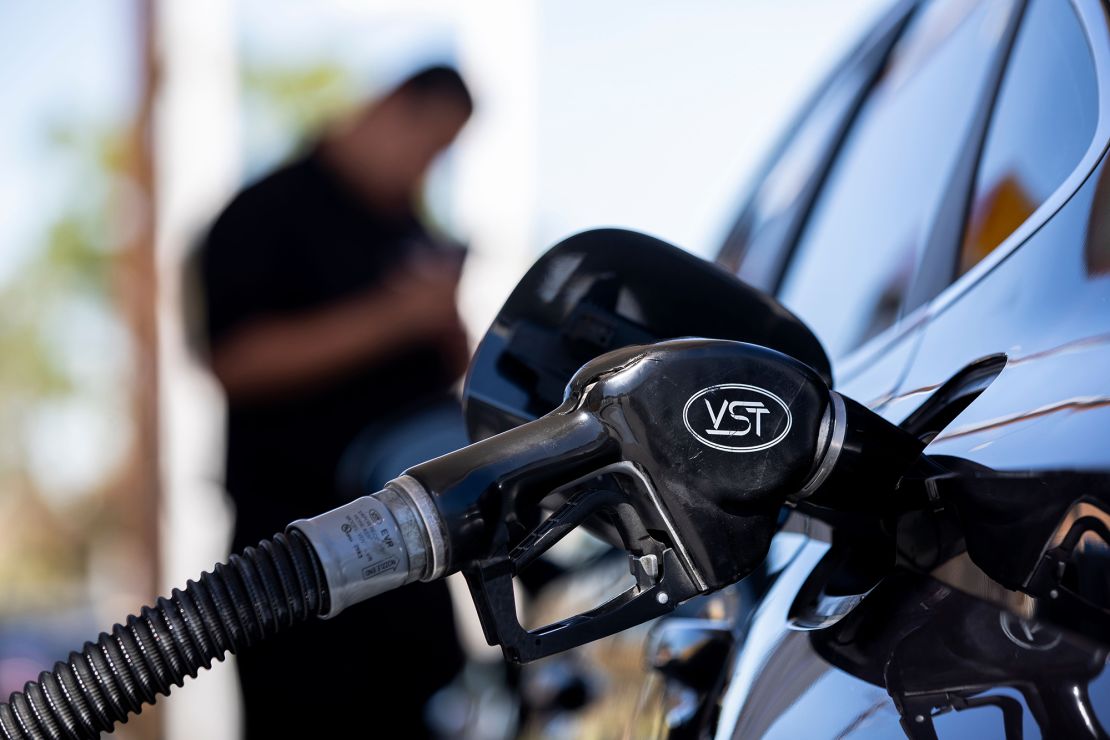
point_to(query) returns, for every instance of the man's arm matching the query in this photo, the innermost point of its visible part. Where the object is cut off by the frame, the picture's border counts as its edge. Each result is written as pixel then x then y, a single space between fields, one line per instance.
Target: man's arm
pixel 277 354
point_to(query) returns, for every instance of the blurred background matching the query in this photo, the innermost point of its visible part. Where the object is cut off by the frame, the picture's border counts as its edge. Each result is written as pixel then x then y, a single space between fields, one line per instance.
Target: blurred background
pixel 128 124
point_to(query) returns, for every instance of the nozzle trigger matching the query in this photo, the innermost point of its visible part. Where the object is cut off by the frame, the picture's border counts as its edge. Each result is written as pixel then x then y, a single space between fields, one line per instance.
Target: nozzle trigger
pixel 661 581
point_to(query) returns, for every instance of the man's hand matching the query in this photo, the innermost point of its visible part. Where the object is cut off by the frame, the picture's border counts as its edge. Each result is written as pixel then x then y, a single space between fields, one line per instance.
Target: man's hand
pixel 415 305
pixel 425 291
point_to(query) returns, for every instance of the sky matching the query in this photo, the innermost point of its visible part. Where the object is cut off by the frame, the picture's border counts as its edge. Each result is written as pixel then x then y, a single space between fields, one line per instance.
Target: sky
pixel 645 114
pixel 654 115
pixel 660 135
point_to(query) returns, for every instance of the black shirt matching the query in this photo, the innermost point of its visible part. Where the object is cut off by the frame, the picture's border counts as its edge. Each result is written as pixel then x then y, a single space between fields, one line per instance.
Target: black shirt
pixel 296 241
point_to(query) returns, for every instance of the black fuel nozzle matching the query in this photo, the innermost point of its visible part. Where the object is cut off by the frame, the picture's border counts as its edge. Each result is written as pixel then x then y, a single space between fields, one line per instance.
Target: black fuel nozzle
pixel 681 452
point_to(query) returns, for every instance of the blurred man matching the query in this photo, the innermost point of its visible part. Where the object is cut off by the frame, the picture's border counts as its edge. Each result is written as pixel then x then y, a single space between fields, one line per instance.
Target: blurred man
pixel 329 306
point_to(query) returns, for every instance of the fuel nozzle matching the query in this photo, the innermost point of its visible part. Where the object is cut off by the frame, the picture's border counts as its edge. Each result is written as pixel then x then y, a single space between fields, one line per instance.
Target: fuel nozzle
pixel 681 452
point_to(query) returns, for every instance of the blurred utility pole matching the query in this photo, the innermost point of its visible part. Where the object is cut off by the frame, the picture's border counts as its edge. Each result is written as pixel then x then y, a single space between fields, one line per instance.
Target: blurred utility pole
pixel 137 287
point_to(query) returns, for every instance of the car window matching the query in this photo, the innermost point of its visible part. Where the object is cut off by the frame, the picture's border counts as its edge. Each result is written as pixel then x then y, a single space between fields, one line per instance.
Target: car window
pixel 757 247
pixel 1043 122
pixel 786 181
pixel 859 249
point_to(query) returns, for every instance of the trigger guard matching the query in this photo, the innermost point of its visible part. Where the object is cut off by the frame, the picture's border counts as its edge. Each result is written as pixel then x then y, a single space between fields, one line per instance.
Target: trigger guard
pixel 568 517
pixel 491 586
pixel 491 580
pixel 631 471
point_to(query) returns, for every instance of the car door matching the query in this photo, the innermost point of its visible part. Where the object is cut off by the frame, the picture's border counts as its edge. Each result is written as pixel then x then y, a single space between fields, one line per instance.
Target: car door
pixel 997 284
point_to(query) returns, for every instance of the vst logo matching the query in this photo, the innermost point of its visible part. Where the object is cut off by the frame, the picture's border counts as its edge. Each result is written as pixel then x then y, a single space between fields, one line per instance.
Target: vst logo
pixel 735 417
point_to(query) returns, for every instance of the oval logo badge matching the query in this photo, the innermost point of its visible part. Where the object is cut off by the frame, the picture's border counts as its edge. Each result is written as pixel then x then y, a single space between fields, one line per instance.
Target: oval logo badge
pixel 735 417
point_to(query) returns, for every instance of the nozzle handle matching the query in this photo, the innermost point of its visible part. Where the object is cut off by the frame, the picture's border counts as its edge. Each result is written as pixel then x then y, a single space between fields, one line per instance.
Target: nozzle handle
pixel 662 581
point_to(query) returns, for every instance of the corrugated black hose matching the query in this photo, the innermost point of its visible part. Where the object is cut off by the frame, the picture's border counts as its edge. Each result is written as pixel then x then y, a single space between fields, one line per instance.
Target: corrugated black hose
pixel 265 590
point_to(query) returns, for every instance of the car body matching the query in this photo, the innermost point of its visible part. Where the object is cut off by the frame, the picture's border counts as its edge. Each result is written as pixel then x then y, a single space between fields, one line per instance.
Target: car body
pixel 938 216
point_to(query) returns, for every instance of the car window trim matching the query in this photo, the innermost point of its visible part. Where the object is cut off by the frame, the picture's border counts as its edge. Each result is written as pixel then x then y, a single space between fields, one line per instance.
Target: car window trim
pixel 937 264
pixel 846 366
pixel 1094 20
pixel 886 41
pixel 868 56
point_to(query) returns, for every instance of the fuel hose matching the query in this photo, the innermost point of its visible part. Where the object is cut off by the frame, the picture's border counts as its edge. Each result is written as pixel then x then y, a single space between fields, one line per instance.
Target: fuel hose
pixel 259 593
pixel 315 569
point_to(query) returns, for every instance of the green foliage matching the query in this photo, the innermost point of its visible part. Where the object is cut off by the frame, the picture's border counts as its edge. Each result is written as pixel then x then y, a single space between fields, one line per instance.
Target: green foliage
pixel 71 264
pixel 73 258
pixel 299 99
